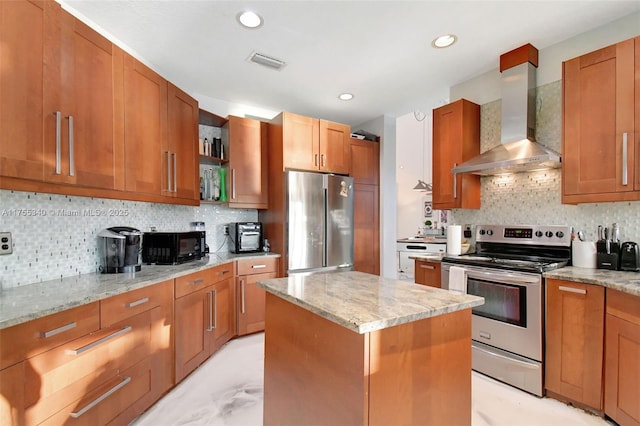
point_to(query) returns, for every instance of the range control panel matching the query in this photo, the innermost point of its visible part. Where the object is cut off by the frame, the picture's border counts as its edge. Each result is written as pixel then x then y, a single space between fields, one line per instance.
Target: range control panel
pixel 548 235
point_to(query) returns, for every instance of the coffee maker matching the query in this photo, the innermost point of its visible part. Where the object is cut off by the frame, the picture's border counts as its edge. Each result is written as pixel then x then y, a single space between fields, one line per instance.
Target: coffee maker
pixel 120 250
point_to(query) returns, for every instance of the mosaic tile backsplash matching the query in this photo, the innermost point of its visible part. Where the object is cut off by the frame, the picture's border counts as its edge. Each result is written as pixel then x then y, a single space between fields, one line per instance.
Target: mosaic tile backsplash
pixel 55 236
pixel 535 198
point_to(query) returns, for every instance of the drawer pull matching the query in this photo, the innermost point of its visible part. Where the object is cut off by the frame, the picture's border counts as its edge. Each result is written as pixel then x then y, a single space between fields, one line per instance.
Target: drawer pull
pixel 572 290
pixel 224 272
pixel 427 267
pixel 258 266
pixel 101 398
pixel 196 282
pixel 137 302
pixel 58 330
pixel 242 296
pixel 101 341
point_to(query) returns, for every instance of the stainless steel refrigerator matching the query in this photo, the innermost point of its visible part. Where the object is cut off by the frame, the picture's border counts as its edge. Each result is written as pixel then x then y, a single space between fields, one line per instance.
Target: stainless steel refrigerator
pixel 319 222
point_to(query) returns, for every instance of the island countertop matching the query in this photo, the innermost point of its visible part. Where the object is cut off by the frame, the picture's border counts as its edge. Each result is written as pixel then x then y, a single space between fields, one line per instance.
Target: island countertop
pixel 363 302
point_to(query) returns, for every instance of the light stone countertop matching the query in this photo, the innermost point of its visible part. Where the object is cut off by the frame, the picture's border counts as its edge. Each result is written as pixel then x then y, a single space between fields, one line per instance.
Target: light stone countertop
pixel 363 303
pixel 626 282
pixel 32 301
pixel 431 257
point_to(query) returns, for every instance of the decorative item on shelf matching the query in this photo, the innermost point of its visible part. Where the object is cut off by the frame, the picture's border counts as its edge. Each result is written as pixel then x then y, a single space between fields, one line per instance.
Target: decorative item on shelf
pixel 223 184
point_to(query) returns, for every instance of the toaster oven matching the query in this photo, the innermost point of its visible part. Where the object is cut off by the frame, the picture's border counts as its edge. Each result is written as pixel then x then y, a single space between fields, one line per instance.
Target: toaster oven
pixel 246 237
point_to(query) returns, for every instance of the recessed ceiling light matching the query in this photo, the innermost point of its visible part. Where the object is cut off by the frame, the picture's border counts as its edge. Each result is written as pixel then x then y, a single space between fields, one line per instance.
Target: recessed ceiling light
pixel 444 41
pixel 345 96
pixel 250 19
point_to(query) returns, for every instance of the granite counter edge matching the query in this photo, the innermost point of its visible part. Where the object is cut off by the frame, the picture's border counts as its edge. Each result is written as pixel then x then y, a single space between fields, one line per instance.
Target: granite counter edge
pixel 624 282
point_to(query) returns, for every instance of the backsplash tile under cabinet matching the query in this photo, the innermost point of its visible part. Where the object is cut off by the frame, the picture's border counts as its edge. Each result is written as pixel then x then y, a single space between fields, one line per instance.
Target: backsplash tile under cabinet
pixel 55 236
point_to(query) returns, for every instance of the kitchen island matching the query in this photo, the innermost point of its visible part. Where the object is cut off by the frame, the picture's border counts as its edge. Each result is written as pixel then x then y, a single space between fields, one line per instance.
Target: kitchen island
pixel 351 348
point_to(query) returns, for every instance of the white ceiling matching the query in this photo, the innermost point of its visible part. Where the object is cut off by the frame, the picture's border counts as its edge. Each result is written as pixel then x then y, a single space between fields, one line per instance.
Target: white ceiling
pixel 378 50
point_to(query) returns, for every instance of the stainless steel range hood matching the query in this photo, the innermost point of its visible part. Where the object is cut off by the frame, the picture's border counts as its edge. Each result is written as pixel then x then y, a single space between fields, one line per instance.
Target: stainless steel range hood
pixel 518 151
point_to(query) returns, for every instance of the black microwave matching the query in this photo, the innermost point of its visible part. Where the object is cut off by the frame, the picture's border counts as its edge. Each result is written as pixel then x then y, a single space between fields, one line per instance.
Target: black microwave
pixel 172 248
pixel 246 237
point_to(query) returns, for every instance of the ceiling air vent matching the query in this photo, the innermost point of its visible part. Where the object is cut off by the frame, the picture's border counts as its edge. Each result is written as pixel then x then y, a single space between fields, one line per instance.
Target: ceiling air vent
pixel 267 61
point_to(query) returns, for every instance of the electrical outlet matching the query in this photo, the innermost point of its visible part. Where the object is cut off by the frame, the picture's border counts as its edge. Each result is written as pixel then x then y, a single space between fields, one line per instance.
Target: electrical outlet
pixel 6 245
pixel 226 230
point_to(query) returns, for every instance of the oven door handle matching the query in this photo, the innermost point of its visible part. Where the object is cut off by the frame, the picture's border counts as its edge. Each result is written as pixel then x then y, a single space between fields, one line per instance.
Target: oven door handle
pixel 500 356
pixel 502 277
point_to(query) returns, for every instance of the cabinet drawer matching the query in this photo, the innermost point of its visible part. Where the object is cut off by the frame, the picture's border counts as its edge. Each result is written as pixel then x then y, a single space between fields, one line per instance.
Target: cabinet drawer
pixel 119 400
pixel 123 306
pixel 37 336
pixel 198 280
pixel 622 305
pixel 257 266
pixel 69 372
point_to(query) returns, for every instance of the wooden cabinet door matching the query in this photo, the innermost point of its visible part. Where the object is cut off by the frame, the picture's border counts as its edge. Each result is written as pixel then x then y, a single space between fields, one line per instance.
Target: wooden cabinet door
pixel 301 142
pixel 193 330
pixel 366 234
pixel 251 302
pixel 365 162
pixel 92 138
pixel 335 149
pixel 574 341
pixel 145 127
pixel 180 176
pixel 428 273
pixel 622 349
pixel 224 313
pixel 456 138
pixel 12 395
pixel 28 59
pixel 247 163
pixel 598 110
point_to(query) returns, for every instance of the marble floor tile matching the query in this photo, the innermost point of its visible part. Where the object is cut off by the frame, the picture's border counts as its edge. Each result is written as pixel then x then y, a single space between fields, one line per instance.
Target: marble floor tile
pixel 227 391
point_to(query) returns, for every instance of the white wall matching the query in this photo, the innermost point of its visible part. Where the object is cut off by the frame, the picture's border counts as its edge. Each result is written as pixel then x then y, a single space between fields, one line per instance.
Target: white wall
pixel 486 87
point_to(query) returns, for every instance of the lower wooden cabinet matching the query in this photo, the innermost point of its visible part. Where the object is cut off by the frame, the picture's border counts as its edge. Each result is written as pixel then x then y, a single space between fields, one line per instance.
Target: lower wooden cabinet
pixel 622 360
pixel 428 273
pixel 204 316
pixel 574 342
pixel 251 298
pixel 12 395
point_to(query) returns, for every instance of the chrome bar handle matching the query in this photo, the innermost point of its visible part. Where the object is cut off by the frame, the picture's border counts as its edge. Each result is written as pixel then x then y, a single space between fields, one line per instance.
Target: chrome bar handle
pixel 625 154
pixel 168 171
pixel 215 307
pixel 58 115
pixel 258 266
pixel 137 302
pixel 175 172
pixel 210 298
pixel 322 160
pixel 58 330
pixel 72 162
pixel 427 267
pixel 455 183
pixel 196 282
pixel 316 160
pixel 233 184
pixel 242 296
pixel 105 339
pixel 572 290
pixel 101 398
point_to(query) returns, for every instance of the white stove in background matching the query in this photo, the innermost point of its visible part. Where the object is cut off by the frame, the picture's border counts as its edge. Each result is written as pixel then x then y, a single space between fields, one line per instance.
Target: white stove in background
pixel 410 246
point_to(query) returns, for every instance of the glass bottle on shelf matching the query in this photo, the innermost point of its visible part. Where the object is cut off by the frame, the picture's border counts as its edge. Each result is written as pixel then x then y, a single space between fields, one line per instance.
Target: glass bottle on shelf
pixel 216 186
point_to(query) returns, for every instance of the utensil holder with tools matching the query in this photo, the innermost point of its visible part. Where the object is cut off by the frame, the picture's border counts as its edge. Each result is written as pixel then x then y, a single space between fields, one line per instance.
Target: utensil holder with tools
pixel 608 248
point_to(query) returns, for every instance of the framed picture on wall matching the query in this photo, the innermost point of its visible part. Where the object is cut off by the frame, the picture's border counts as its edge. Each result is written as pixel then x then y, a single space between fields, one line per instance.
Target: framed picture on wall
pixel 428 209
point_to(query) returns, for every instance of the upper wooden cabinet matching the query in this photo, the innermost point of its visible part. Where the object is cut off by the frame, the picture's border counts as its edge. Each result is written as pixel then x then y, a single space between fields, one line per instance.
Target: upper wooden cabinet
pixel 145 127
pixel 574 342
pixel 456 138
pixel 365 162
pixel 248 166
pixel 312 144
pixel 180 175
pixel 599 127
pixel 61 107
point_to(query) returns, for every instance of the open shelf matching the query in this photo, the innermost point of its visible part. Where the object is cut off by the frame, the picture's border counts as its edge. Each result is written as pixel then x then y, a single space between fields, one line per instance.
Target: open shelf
pixel 209 119
pixel 214 161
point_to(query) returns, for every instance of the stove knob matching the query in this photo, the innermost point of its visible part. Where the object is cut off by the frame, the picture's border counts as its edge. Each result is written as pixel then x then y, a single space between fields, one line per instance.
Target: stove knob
pixel 559 234
pixel 482 232
pixel 539 234
pixel 549 234
pixel 489 232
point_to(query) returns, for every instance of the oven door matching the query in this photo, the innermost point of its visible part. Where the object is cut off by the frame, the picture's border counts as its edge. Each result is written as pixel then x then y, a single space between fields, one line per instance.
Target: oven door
pixel 511 317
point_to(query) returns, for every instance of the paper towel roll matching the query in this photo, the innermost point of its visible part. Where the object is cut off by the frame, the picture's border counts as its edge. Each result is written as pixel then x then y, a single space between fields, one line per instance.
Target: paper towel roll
pixel 584 254
pixel 454 239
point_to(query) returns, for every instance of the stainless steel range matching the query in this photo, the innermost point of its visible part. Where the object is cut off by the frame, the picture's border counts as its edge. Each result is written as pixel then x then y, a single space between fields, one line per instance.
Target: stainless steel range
pixel 506 269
